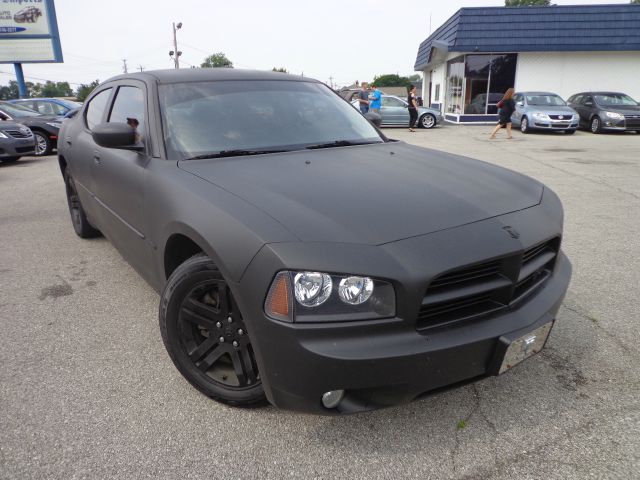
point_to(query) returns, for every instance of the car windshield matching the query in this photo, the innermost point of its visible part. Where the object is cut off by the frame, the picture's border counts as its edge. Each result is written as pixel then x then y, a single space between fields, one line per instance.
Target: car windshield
pixel 615 100
pixel 18 110
pixel 209 118
pixel 545 100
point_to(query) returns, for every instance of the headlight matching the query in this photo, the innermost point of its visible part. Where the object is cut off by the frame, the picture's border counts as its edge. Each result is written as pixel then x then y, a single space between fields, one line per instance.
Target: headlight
pixel 323 297
pixel 615 115
pixel 3 135
pixel 541 116
pixel 54 124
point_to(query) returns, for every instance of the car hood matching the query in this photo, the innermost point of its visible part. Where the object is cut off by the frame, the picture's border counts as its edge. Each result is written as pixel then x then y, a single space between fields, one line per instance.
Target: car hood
pixel 559 110
pixel 10 125
pixel 370 194
pixel 623 109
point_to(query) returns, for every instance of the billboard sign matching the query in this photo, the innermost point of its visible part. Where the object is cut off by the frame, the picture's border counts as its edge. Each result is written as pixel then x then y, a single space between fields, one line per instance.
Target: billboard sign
pixel 29 32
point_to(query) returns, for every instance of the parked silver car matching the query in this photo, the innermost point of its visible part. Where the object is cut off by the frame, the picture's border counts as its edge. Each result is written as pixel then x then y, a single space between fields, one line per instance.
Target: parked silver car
pixel 543 111
pixel 394 111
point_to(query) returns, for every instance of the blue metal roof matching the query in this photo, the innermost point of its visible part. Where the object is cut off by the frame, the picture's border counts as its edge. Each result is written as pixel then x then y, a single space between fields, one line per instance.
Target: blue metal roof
pixel 558 28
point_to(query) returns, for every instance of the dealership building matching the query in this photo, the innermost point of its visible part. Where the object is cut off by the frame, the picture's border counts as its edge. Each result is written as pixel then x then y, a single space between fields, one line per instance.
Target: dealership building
pixel 470 61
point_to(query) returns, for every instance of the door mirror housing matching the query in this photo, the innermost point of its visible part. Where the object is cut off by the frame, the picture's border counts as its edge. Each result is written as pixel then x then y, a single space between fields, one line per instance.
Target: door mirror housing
pixel 117 135
pixel 373 118
pixel 588 104
pixel 520 104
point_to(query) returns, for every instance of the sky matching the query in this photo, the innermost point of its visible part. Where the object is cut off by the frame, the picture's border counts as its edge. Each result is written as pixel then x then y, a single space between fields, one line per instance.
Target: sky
pixel 337 41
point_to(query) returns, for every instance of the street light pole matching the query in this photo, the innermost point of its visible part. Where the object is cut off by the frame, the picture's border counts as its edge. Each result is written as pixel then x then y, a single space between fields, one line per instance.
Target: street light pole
pixel 176 57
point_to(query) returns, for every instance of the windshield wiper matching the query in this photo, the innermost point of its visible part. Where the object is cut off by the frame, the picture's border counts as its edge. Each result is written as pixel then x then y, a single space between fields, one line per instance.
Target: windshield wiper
pixel 233 153
pixel 337 143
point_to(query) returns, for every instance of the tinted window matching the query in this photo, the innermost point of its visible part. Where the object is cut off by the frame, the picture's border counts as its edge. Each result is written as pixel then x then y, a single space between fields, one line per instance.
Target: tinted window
pixel 46 108
pixel 587 99
pixel 31 105
pixel 128 108
pixel 576 99
pixel 96 107
pixel 17 111
pixel 206 117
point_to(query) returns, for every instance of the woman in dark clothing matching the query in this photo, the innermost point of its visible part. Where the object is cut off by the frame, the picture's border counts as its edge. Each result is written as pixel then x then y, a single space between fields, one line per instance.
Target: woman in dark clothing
pixel 413 108
pixel 507 107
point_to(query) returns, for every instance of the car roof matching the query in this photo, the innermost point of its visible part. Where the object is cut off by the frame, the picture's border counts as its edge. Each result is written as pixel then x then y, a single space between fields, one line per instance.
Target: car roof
pixel 208 74
pixel 537 93
pixel 600 93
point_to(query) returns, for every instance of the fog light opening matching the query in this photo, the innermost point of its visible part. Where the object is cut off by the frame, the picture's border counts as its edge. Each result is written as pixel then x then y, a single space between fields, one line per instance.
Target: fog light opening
pixel 333 398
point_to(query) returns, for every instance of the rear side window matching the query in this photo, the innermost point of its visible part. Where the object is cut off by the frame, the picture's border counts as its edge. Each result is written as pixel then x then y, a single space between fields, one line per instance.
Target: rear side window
pixel 128 108
pixel 96 107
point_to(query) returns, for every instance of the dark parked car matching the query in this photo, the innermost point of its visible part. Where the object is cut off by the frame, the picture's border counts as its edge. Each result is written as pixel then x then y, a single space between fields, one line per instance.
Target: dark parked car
pixel 300 255
pixel 606 111
pixel 543 111
pixel 15 141
pixel 44 127
pixel 48 106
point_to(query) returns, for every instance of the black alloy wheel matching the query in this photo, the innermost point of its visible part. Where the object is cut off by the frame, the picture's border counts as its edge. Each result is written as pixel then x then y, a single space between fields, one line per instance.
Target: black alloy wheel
pixel 206 337
pixel 43 144
pixel 524 125
pixel 596 125
pixel 81 224
pixel 427 121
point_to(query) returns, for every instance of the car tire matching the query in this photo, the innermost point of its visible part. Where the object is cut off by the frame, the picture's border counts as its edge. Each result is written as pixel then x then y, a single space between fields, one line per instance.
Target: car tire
pixel 81 224
pixel 43 144
pixel 595 125
pixel 570 132
pixel 204 333
pixel 427 121
pixel 10 159
pixel 524 125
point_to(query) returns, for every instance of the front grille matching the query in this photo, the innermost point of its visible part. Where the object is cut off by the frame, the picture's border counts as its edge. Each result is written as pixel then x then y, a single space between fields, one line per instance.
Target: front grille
pixel 476 290
pixel 18 133
pixel 632 121
pixel 25 149
pixel 564 117
pixel 560 125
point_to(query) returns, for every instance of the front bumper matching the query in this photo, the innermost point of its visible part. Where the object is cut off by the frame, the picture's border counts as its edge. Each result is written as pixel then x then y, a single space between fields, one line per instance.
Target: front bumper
pixel 387 362
pixel 618 125
pixel 551 124
pixel 17 147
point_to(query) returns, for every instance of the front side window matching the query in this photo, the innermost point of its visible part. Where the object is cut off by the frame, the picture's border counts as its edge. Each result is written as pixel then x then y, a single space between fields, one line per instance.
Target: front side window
pixel 392 102
pixel 46 108
pixel 202 118
pixel 128 107
pixel 17 111
pixel 96 108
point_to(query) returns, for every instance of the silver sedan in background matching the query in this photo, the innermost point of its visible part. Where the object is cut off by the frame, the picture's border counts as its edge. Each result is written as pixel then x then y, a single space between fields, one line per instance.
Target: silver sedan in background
pixel 395 111
pixel 543 111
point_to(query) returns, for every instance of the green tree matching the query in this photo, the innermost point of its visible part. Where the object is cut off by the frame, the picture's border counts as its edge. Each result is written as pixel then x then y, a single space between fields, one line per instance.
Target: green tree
pixel 280 69
pixel 55 89
pixel 527 3
pixel 83 90
pixel 415 77
pixel 635 1
pixel 391 80
pixel 217 60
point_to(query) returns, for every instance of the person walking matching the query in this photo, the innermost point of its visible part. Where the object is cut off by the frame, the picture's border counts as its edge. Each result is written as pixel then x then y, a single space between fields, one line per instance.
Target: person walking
pixel 507 107
pixel 375 100
pixel 363 98
pixel 413 107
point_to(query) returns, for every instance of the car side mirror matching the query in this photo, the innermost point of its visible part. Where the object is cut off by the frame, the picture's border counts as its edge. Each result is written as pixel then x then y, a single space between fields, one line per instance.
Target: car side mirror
pixel 588 104
pixel 374 118
pixel 116 135
pixel 520 104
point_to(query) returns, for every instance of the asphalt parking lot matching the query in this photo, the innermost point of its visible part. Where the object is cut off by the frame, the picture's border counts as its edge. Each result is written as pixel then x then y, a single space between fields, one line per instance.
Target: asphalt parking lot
pixel 87 390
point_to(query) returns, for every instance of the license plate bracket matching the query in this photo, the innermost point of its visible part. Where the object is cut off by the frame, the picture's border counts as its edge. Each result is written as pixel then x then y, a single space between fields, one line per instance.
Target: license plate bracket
pixel 513 350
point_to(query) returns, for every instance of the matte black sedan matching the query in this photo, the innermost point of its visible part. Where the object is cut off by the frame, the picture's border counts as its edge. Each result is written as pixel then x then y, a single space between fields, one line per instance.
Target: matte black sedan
pixel 606 111
pixel 44 127
pixel 303 257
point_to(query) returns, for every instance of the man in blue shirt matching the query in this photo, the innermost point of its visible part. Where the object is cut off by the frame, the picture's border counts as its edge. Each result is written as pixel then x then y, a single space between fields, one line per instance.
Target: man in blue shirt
pixel 375 99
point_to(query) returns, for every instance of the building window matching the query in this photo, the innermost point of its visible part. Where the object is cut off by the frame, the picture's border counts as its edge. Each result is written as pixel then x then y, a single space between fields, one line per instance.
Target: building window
pixel 503 77
pixel 436 95
pixel 476 81
pixel 455 79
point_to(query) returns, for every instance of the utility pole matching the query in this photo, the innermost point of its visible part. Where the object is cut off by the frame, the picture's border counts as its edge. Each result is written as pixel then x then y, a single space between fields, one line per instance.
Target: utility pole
pixel 140 67
pixel 124 65
pixel 176 53
pixel 331 82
